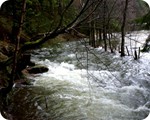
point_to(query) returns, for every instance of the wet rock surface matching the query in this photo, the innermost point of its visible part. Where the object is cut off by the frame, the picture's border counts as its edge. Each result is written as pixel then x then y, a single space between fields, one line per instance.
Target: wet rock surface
pixel 37 69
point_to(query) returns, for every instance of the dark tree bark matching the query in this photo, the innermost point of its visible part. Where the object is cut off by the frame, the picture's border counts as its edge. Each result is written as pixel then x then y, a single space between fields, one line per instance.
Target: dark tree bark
pixel 123 29
pixel 16 37
pixel 92 34
pixel 100 36
pixel 104 26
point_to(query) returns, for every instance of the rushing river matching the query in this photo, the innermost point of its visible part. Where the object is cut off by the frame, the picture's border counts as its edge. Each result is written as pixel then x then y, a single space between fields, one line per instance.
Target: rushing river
pixel 85 84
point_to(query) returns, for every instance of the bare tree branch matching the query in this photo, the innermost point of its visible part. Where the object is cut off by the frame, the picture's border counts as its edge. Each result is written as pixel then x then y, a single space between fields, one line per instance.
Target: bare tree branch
pixel 86 17
pixel 63 13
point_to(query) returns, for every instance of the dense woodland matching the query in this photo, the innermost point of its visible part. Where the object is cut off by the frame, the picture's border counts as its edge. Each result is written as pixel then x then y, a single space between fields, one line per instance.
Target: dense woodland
pixel 27 24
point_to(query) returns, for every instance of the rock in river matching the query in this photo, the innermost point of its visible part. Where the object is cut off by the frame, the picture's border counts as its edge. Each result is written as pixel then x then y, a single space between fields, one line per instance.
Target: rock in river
pixel 37 69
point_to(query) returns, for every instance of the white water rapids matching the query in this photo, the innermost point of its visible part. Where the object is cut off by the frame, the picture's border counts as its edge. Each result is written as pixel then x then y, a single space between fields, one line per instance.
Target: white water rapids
pixel 89 84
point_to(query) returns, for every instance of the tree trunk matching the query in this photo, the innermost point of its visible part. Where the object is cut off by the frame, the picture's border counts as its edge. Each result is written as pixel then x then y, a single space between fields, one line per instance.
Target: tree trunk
pixel 123 29
pixel 93 34
pixel 104 26
pixel 109 40
pixel 16 37
pixel 100 36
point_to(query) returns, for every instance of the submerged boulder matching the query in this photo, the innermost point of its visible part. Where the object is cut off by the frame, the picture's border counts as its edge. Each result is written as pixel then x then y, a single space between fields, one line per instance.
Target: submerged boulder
pixel 37 69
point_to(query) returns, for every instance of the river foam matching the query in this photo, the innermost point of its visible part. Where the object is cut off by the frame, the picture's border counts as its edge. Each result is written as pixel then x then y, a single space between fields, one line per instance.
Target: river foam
pixel 95 85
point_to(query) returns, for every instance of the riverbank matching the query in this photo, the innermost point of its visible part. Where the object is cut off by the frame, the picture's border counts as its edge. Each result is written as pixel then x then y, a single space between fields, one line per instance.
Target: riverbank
pixel 7 48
